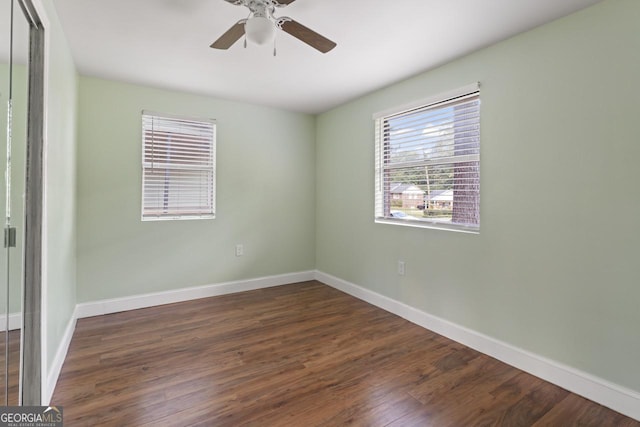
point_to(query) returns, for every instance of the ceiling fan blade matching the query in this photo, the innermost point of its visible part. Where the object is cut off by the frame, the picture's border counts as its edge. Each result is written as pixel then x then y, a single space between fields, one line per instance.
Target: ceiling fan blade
pixel 232 35
pixel 282 2
pixel 306 35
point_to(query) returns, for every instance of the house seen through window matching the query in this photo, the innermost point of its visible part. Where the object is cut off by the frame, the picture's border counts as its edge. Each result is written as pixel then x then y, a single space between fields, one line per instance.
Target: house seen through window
pixel 428 163
pixel 178 167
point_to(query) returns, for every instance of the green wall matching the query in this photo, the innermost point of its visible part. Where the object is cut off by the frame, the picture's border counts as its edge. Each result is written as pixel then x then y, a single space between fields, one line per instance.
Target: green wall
pixel 555 267
pixel 265 195
pixel 60 184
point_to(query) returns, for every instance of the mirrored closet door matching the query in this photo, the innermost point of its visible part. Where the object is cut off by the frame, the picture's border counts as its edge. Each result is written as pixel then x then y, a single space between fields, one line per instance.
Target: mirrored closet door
pixel 15 24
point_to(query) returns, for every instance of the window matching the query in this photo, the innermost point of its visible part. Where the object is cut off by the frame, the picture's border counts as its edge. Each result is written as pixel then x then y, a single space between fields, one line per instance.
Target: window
pixel 428 162
pixel 178 167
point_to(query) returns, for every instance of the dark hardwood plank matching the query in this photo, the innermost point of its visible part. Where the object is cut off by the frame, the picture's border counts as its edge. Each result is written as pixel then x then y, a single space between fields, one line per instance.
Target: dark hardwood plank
pixel 578 411
pixel 295 355
pixel 11 381
pixel 534 405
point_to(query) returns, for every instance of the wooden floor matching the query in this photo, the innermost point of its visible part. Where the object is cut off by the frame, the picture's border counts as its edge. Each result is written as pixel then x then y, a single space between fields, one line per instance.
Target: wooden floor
pixel 296 355
pixel 11 383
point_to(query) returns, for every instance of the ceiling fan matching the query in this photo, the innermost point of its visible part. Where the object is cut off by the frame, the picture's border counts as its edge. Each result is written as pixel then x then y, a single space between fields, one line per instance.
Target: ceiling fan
pixel 261 25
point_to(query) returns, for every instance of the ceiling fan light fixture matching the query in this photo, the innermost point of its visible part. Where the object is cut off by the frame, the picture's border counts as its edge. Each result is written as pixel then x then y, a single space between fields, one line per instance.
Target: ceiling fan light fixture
pixel 260 30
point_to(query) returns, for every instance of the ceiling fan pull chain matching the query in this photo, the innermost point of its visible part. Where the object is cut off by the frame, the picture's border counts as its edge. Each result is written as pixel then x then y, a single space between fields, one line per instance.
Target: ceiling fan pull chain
pixel 274 45
pixel 245 33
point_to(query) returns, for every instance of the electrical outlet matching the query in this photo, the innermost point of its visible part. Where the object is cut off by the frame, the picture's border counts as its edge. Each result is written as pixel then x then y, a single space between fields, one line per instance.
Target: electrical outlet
pixel 239 250
pixel 401 268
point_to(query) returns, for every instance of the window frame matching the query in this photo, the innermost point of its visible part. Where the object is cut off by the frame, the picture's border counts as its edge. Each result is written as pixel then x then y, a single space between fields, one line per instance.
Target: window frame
pixel 184 215
pixel 380 166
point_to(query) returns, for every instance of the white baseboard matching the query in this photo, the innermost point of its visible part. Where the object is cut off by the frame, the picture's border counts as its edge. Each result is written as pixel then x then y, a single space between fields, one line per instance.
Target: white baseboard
pixel 15 322
pixel 97 308
pixel 616 397
pixel 61 354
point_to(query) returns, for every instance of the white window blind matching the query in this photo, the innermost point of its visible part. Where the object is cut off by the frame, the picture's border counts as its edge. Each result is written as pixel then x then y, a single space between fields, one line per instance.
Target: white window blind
pixel 428 163
pixel 178 167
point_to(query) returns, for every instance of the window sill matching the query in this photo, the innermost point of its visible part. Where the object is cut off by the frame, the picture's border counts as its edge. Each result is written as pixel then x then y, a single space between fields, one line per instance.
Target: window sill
pixel 427 224
pixel 177 218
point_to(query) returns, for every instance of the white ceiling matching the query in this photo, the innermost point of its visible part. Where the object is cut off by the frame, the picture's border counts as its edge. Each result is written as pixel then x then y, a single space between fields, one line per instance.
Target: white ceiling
pixel 165 43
